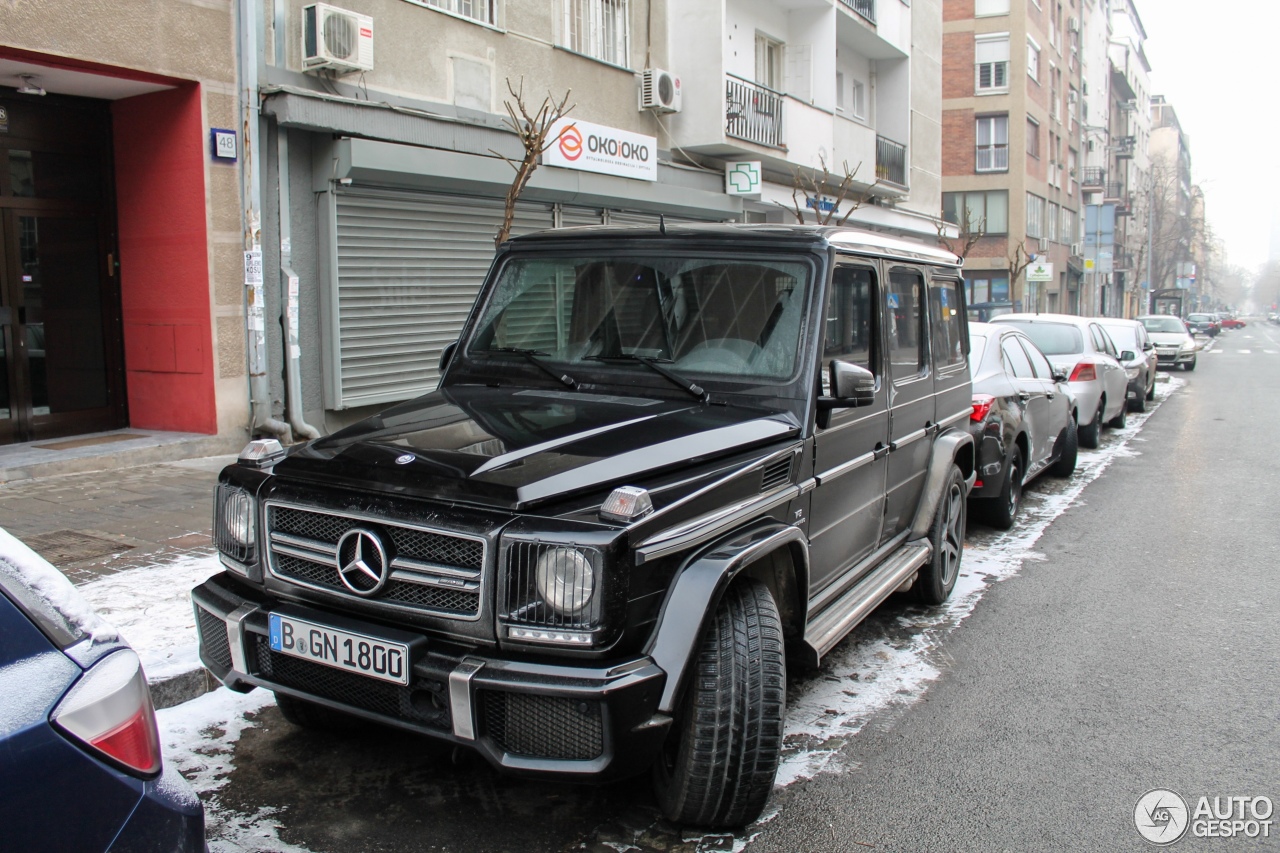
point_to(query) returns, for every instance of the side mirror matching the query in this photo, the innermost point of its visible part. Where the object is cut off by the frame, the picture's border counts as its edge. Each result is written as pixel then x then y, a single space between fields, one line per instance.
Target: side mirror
pixel 1128 355
pixel 852 384
pixel 1148 346
pixel 446 354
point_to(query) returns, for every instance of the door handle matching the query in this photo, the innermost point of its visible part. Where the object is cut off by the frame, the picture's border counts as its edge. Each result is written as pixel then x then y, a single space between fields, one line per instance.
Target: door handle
pixel 1050 396
pixel 881 451
pixel 1024 396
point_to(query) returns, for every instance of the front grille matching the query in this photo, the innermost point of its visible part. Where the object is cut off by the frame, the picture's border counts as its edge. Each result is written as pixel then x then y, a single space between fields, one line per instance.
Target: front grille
pixel 556 727
pixel 213 635
pixel 424 701
pixel 429 571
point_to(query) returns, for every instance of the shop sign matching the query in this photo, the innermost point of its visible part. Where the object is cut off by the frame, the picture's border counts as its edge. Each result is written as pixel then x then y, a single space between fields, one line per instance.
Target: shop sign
pixel 1040 272
pixel 4 120
pixel 742 178
pixel 591 147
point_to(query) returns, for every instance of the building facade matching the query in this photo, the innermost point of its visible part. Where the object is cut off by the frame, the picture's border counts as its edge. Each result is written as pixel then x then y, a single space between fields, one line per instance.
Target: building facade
pixel 120 226
pixel 1011 147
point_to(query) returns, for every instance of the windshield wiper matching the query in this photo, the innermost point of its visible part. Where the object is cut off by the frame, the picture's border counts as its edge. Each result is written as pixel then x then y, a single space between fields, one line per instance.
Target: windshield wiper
pixel 653 364
pixel 531 355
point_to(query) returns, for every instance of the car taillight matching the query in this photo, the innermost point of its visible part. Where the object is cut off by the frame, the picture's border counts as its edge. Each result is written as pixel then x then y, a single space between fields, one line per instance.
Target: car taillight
pixel 109 710
pixel 1083 372
pixel 981 406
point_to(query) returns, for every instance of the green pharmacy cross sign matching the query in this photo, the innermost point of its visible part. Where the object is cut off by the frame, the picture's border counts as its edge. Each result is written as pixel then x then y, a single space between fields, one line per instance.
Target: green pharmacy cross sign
pixel 742 178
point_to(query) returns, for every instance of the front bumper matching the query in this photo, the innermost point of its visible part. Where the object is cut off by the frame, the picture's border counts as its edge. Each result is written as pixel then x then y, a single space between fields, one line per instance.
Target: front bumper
pixel 590 722
pixel 1175 357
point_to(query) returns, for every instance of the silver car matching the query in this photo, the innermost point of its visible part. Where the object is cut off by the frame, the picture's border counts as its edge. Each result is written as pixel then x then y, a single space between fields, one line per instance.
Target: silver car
pixel 1130 336
pixel 1174 344
pixel 1082 349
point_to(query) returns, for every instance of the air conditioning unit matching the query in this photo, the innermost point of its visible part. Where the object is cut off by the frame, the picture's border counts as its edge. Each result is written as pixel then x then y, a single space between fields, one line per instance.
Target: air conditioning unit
pixel 1044 245
pixel 1075 249
pixel 336 40
pixel 659 91
pixel 1073 24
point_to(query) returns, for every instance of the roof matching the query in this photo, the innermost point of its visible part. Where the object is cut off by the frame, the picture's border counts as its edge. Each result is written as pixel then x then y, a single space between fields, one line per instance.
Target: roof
pixel 754 234
pixel 1068 319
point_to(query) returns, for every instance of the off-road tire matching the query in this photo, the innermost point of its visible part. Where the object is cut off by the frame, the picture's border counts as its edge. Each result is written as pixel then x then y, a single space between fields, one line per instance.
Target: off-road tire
pixel 1069 449
pixel 717 768
pixel 1189 365
pixel 1121 420
pixel 309 715
pixel 1091 436
pixel 946 533
pixel 1002 511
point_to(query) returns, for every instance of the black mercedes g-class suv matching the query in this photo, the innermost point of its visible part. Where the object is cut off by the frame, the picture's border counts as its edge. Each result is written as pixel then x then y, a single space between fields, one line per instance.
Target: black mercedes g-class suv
pixel 660 464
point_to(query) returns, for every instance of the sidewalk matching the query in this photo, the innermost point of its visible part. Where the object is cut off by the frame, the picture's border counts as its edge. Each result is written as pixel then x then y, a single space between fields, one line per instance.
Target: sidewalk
pixel 134 540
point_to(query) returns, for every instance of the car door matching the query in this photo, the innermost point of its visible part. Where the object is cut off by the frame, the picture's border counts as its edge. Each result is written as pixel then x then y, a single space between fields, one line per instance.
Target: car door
pixel 1053 415
pixel 911 400
pixel 1030 400
pixel 851 445
pixel 949 345
pixel 1113 378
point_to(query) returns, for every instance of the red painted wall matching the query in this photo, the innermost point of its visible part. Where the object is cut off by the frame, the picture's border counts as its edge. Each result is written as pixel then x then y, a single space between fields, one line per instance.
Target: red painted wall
pixel 164 263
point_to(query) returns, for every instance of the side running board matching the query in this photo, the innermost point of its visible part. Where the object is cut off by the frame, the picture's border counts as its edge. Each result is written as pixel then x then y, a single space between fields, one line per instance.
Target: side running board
pixel 840 616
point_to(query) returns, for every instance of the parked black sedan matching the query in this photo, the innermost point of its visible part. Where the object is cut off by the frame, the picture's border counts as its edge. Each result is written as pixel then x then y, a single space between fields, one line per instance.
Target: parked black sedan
pixel 1023 420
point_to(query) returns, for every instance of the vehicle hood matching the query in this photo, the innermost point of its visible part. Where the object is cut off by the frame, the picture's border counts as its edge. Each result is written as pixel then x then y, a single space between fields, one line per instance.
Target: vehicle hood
pixel 1165 339
pixel 493 447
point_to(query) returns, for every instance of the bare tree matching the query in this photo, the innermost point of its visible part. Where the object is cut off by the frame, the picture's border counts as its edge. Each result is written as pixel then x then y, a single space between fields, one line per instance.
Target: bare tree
pixel 969 233
pixel 815 186
pixel 1019 259
pixel 533 130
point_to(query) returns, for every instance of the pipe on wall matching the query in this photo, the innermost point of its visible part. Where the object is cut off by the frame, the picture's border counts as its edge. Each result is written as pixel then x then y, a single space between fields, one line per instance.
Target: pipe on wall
pixel 289 299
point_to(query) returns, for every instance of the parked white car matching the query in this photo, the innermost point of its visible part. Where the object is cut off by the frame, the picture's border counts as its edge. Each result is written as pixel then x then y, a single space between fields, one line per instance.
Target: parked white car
pixel 1082 349
pixel 1174 344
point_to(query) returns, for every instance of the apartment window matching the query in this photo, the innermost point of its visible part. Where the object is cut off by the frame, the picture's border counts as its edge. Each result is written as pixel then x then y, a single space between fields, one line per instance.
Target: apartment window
pixel 598 28
pixel 769 62
pixel 859 99
pixel 982 8
pixel 1070 232
pixel 1033 59
pixel 484 11
pixel 1035 215
pixel 1072 160
pixel 988 211
pixel 991 62
pixel 992 133
pixel 1051 222
pixel 1055 86
pixel 1033 137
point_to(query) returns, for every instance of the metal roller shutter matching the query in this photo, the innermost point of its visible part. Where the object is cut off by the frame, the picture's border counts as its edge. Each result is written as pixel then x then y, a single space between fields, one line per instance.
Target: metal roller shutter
pixel 409 267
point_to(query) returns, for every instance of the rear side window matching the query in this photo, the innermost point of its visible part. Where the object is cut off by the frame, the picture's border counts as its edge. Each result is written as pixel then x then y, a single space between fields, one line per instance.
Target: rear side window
pixel 1044 370
pixel 1015 359
pixel 905 315
pixel 946 323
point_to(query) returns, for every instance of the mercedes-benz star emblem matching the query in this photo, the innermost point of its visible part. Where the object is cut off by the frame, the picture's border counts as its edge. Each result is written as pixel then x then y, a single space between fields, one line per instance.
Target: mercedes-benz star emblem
pixel 363 566
pixel 405 459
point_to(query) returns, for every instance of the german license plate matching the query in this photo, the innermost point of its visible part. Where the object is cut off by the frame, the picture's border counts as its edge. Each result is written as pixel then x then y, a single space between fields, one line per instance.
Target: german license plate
pixel 358 653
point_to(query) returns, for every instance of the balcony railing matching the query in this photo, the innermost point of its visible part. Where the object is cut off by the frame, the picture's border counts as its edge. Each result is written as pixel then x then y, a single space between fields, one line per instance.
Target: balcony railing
pixel 1113 190
pixel 993 158
pixel 752 112
pixel 1094 176
pixel 864 8
pixel 891 161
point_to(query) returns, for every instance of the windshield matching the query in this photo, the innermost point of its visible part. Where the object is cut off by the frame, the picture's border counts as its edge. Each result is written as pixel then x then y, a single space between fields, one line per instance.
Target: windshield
pixel 713 316
pixel 1200 318
pixel 977 344
pixel 1163 324
pixel 1052 338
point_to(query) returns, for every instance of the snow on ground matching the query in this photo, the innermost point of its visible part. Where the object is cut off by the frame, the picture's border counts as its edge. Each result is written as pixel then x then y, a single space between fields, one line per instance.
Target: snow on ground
pixel 864 676
pixel 151 608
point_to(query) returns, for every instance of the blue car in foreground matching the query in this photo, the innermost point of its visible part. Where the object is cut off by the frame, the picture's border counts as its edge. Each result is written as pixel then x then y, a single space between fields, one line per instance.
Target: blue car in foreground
pixel 80 764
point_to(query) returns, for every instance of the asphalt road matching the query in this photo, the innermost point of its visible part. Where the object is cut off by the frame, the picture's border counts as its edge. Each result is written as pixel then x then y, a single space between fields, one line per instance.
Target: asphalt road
pixel 1139 653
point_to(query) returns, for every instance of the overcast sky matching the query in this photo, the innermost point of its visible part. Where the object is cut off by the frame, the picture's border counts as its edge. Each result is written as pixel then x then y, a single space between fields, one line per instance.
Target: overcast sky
pixel 1216 63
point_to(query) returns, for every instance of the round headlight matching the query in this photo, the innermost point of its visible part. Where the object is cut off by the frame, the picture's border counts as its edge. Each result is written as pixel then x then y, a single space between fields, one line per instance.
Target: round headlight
pixel 566 580
pixel 237 517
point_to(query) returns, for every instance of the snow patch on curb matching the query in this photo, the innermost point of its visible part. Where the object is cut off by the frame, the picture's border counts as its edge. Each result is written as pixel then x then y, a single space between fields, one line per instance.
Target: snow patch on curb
pixel 151 608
